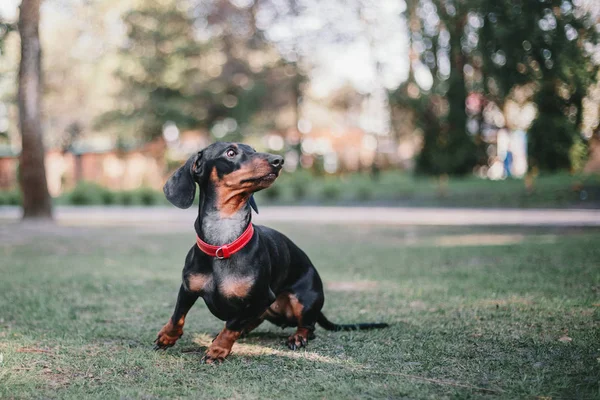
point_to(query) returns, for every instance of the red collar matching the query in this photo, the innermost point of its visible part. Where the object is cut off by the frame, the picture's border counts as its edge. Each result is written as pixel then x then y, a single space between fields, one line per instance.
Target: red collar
pixel 227 250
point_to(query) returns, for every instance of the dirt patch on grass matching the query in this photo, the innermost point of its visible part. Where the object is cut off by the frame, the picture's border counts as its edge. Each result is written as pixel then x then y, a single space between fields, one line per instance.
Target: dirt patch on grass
pixel 261 347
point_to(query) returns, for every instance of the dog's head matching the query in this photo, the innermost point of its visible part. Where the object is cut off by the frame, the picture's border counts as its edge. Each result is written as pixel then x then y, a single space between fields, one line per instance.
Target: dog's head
pixel 231 169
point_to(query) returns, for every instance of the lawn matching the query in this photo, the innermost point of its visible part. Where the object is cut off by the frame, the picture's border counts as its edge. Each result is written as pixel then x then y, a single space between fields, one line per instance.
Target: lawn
pixel 474 312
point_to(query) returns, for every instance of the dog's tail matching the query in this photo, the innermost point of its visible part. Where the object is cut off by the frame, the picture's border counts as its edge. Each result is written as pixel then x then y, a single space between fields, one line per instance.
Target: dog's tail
pixel 330 326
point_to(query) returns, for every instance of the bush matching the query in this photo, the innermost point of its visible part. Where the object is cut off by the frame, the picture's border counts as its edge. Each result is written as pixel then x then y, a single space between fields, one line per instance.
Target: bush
pixel 10 198
pixel 299 190
pixel 301 181
pixel 87 193
pixel 330 191
pixel 273 193
pixel 109 197
pixel 148 196
pixel 127 198
pixel 364 192
pixel 578 154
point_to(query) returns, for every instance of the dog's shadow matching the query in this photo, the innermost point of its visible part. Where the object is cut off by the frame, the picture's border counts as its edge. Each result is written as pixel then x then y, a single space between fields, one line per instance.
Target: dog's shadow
pixel 265 339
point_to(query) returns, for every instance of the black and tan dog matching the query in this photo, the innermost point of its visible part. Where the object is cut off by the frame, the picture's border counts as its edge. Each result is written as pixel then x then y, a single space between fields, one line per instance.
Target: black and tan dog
pixel 244 273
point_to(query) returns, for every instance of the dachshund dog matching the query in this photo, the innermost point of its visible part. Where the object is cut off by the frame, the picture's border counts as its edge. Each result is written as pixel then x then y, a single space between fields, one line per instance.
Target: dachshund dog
pixel 245 273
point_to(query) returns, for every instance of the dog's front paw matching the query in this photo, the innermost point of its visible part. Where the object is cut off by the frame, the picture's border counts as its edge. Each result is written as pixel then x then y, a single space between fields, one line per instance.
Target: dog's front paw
pixel 215 355
pixel 167 336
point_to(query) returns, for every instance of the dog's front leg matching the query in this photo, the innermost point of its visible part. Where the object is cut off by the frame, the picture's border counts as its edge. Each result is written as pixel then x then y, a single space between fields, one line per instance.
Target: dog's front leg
pixel 172 331
pixel 221 346
pixel 234 328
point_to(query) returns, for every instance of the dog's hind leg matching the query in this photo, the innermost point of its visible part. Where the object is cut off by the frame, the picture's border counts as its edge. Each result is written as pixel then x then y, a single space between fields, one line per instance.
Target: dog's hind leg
pixel 305 303
pixel 172 331
pixel 252 326
pixel 306 317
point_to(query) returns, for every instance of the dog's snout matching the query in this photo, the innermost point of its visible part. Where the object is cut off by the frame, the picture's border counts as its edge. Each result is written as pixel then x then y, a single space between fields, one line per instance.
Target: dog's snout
pixel 276 161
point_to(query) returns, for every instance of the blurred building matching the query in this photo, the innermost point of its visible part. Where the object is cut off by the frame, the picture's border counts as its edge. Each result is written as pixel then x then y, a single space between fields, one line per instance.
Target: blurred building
pixel 111 166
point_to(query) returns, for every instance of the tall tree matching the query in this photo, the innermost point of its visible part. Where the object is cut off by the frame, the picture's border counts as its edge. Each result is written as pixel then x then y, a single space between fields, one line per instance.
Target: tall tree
pixel 32 172
pixel 199 65
pixel 436 86
pixel 544 43
pixel 158 70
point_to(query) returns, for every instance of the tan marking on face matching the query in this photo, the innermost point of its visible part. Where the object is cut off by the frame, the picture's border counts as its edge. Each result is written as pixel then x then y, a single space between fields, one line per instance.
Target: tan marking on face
pixel 197 282
pixel 232 192
pixel 249 170
pixel 229 200
pixel 233 286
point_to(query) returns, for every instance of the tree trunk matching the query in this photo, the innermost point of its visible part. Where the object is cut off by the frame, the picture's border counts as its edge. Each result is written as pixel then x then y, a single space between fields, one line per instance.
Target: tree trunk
pixel 32 172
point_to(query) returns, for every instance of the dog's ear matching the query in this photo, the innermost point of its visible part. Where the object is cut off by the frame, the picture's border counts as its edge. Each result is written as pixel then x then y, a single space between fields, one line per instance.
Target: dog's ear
pixel 180 189
pixel 253 204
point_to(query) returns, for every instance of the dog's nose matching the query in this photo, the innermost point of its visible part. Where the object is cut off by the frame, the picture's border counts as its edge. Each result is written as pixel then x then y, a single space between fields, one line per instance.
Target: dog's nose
pixel 276 161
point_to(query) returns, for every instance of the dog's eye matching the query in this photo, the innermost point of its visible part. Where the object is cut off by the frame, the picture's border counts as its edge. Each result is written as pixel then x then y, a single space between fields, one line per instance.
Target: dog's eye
pixel 230 153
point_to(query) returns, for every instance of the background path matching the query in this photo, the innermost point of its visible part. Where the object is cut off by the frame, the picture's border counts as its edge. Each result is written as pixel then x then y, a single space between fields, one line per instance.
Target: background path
pixel 115 216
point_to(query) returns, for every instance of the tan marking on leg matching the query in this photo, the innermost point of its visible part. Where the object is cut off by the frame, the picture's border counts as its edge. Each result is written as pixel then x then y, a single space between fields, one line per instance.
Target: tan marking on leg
pixel 284 305
pixel 300 337
pixel 296 308
pixel 236 286
pixel 198 282
pixel 221 346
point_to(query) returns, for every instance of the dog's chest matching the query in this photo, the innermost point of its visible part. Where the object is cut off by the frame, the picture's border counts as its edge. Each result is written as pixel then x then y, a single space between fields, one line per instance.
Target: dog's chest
pixel 228 285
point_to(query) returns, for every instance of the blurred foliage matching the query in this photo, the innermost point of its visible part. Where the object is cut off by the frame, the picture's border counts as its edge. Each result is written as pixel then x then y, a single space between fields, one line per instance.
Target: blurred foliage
pixel 241 69
pixel 545 43
pixel 10 198
pixel 273 194
pixel 440 107
pixel 490 49
pixel 5 29
pixel 89 193
pixel 578 155
pixel 330 190
pixel 160 54
pixel 170 74
pixel 392 188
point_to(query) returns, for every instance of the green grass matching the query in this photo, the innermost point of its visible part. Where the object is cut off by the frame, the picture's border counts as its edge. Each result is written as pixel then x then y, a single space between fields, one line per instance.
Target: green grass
pixel 475 312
